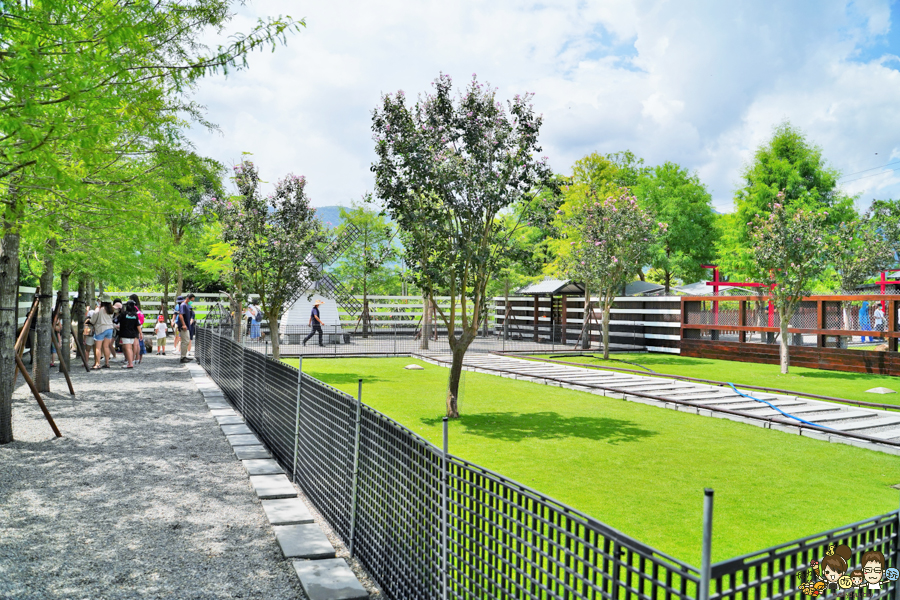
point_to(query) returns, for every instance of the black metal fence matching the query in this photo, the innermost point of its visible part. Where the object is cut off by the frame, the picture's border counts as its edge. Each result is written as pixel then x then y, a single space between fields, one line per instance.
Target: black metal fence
pixel 430 525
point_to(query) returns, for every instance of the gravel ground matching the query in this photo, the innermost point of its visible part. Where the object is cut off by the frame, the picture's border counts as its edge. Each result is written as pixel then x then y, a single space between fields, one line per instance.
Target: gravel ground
pixel 141 498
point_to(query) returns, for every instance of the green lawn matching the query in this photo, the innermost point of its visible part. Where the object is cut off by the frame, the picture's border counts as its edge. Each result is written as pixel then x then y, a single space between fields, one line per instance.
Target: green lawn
pixel 637 468
pixel 839 384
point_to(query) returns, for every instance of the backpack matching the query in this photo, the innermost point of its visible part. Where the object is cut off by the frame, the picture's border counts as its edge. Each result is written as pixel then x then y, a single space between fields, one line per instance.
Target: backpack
pixel 258 316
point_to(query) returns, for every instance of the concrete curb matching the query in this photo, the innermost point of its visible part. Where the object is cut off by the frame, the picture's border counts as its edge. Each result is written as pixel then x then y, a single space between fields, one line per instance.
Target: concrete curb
pixel 322 576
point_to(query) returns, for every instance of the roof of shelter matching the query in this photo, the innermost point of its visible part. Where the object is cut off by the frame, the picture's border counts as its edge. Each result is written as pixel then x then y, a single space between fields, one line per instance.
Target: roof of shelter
pixel 552 287
pixel 643 288
pixel 701 288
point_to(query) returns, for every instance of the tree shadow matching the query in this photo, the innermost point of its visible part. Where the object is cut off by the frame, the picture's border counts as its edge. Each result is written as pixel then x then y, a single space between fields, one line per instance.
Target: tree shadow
pixel 341 378
pixel 517 427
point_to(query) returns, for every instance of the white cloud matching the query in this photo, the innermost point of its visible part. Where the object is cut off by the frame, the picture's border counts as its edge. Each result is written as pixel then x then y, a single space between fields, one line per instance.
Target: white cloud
pixel 698 83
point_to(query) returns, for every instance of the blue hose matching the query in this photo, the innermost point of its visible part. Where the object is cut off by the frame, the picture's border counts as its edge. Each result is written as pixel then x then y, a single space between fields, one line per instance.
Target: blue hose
pixel 740 393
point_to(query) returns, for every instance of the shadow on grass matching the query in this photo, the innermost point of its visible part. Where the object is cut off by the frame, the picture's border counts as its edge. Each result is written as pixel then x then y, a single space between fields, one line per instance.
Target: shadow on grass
pixel 339 378
pixel 516 427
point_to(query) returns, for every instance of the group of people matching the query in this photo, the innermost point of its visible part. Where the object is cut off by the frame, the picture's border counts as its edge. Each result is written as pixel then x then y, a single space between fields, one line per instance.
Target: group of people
pixel 114 325
pixel 866 322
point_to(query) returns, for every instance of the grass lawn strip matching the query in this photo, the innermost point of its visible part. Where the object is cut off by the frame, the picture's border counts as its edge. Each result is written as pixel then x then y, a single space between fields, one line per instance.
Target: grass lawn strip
pixel 838 384
pixel 637 468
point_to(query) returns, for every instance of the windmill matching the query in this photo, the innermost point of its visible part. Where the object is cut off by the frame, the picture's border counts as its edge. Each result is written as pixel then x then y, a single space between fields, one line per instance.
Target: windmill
pixel 319 285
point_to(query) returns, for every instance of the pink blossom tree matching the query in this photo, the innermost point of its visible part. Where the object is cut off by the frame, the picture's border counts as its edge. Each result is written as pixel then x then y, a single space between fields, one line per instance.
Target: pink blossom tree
pixel 616 237
pixel 272 240
pixel 449 169
pixel 790 251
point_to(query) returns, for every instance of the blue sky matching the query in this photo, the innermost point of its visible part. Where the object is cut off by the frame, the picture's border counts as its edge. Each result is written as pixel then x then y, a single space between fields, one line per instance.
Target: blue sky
pixel 699 83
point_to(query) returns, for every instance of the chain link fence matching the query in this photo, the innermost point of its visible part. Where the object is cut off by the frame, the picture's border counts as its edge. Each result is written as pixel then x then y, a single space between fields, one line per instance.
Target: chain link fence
pixel 429 525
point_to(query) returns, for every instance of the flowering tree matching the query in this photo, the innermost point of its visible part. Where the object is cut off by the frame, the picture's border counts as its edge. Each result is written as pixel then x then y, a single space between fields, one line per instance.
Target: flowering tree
pixel 615 240
pixel 789 253
pixel 447 170
pixel 272 240
pixel 859 251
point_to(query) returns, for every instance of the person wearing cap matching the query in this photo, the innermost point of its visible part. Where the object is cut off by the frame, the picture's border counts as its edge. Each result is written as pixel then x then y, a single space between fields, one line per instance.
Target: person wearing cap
pixel 316 322
pixel 185 314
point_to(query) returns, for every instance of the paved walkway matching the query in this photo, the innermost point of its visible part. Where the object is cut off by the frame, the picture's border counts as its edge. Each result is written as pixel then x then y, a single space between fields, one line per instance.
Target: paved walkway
pixel 142 498
pixel 706 400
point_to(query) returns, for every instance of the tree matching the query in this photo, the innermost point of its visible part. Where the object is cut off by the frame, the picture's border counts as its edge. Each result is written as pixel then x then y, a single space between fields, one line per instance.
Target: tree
pixel 447 170
pixel 859 251
pixel 677 198
pixel 789 165
pixel 84 87
pixel 789 253
pixel 272 240
pixel 614 243
pixel 362 265
pixel 195 189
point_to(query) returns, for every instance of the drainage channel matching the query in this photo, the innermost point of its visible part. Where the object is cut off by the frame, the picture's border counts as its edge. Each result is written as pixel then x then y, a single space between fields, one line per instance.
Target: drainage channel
pixel 702 401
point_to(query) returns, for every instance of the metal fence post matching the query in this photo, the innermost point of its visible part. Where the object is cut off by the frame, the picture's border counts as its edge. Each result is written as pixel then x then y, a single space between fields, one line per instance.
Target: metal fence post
pixel 297 420
pixel 445 571
pixel 897 557
pixel 395 340
pixel 706 560
pixel 355 468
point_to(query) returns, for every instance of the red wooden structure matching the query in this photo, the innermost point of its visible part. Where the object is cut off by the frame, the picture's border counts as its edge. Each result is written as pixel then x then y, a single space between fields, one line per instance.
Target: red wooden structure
pixel 717 283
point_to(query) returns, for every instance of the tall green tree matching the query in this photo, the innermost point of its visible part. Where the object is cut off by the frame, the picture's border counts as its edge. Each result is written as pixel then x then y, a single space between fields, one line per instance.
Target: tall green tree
pixel 679 199
pixel 788 164
pixel 366 266
pixel 447 169
pixel 84 86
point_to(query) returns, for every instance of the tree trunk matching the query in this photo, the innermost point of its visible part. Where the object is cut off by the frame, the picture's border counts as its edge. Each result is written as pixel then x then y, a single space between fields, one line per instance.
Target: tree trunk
pixel 165 299
pixel 365 315
pixel 44 329
pixel 668 281
pixel 459 352
pixel 426 324
pixel 65 319
pixel 80 313
pixel 586 324
pixel 785 349
pixel 236 308
pixel 606 307
pixel 9 298
pixel 273 333
pixel 179 286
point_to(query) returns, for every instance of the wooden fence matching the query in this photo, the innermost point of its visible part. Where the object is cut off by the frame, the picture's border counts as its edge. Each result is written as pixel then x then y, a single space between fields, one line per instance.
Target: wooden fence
pixel 649 323
pixel 822 332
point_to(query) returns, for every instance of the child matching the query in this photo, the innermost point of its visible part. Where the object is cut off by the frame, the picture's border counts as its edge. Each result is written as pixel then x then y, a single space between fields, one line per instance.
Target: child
pixel 161 331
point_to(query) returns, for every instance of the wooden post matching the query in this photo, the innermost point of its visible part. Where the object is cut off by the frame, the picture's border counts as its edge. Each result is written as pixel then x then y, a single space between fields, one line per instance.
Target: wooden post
pixel 562 309
pixel 536 310
pixel 37 396
pixel 820 322
pixel 62 365
pixel 742 321
pixel 891 325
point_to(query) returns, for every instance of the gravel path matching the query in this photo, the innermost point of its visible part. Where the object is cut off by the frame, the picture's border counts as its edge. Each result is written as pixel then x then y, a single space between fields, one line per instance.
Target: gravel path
pixel 141 498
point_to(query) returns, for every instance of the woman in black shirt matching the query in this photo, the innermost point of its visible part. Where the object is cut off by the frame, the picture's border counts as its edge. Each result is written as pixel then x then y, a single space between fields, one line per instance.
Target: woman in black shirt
pixel 129 330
